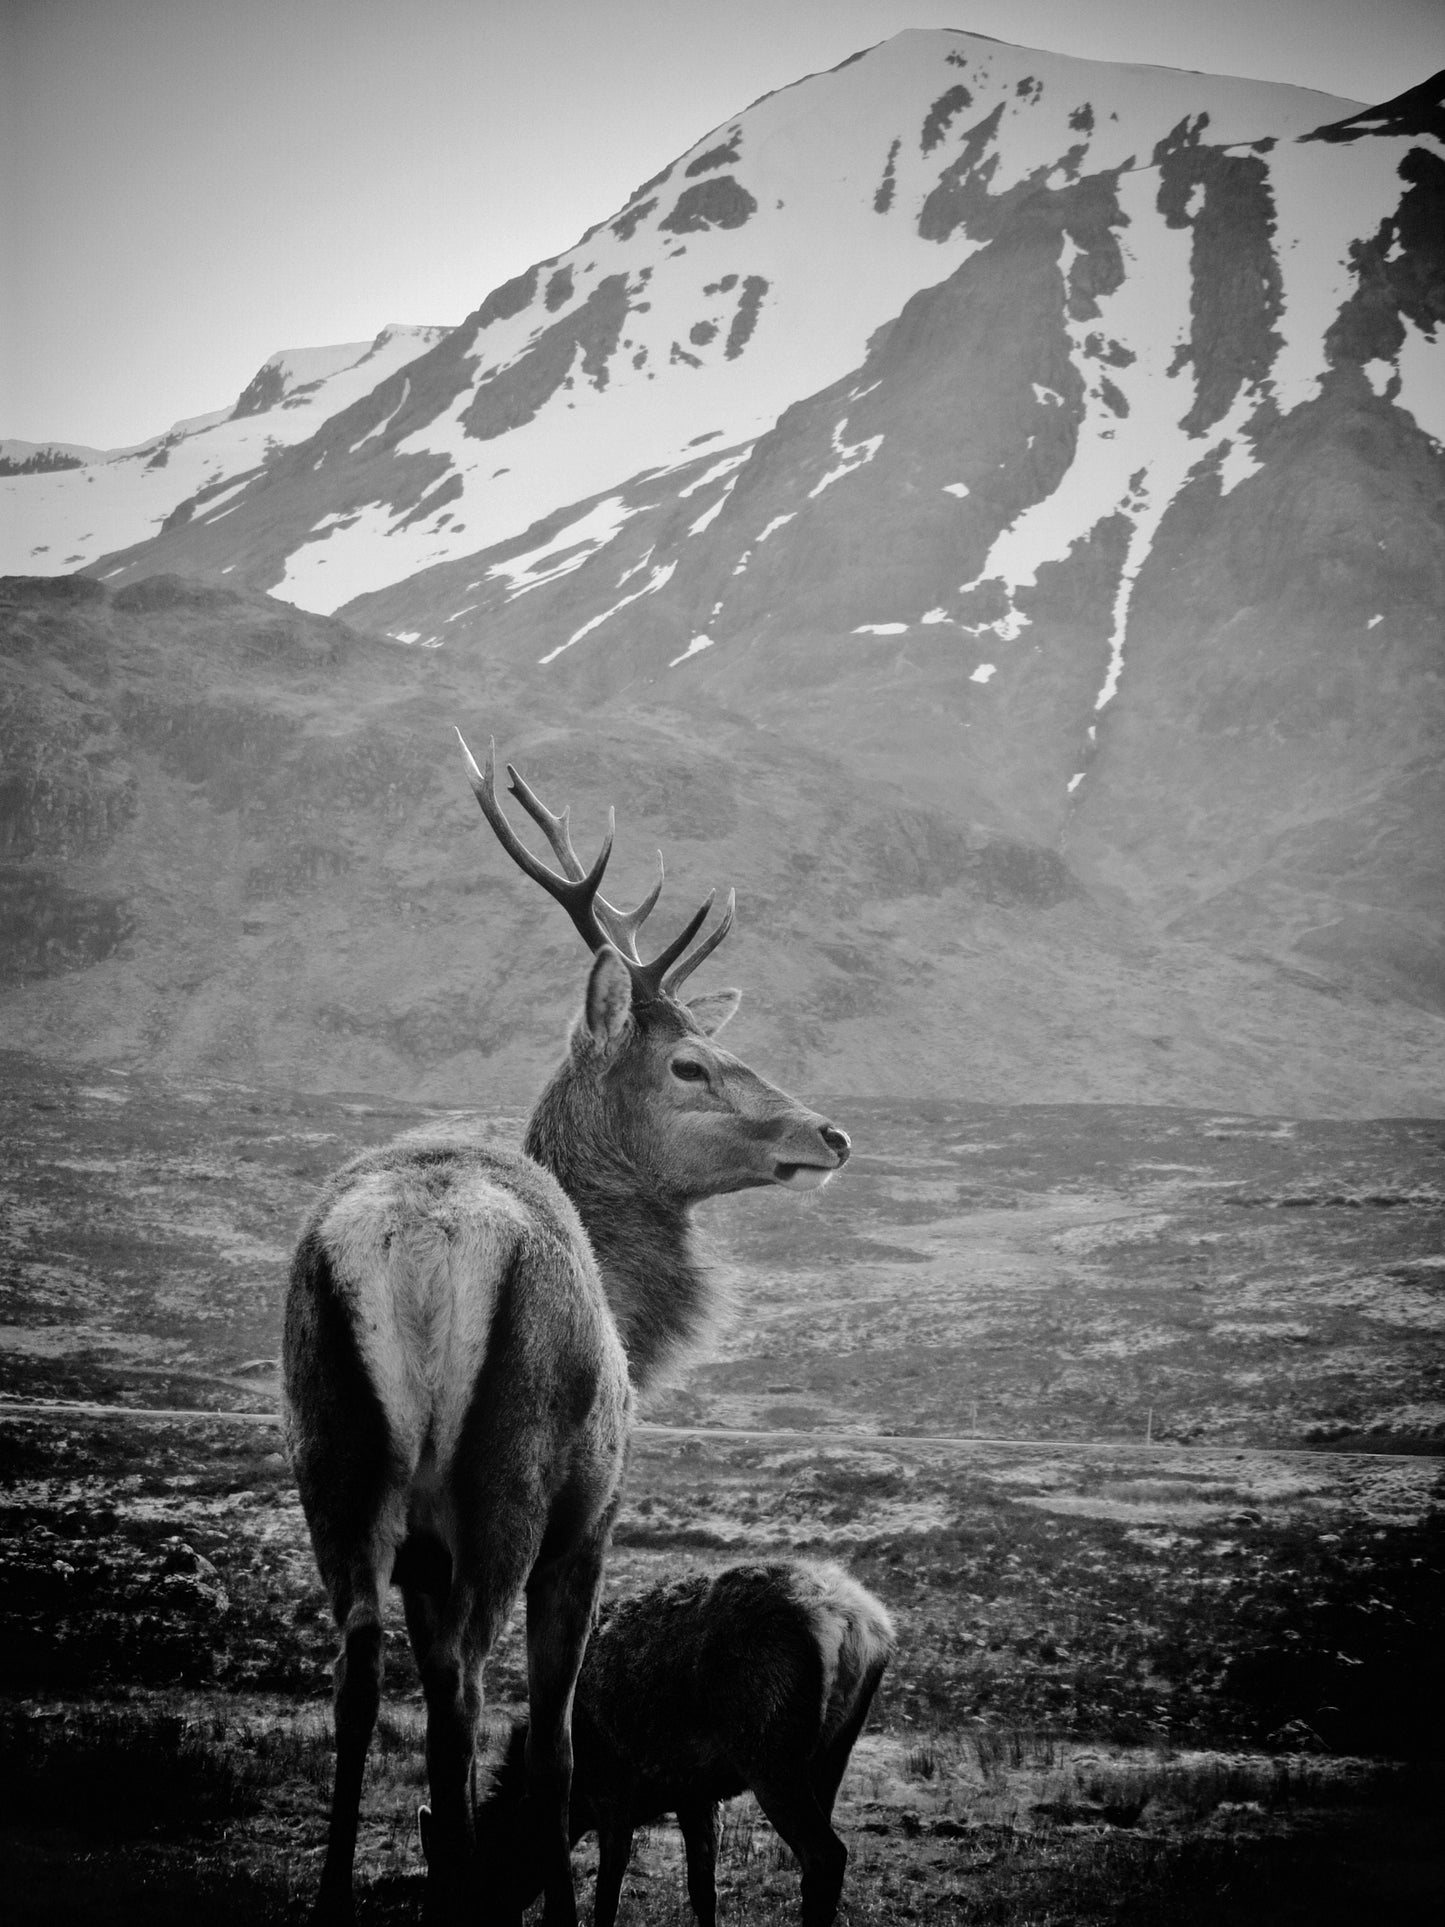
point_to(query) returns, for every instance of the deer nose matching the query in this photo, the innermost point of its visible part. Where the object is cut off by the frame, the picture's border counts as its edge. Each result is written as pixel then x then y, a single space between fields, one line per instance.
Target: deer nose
pixel 838 1142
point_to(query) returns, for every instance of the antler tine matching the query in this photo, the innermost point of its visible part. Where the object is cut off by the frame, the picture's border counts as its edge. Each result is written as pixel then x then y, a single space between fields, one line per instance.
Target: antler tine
pixel 579 892
pixel 705 949
pixel 628 922
pixel 652 978
pixel 555 827
pixel 576 894
pixel 621 926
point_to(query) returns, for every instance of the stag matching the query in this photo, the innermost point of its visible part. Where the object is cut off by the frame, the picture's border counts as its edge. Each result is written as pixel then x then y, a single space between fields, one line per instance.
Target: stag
pixel 755 1678
pixel 465 1330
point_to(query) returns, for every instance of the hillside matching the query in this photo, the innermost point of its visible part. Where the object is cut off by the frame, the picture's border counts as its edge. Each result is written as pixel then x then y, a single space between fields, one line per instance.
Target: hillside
pixel 239 841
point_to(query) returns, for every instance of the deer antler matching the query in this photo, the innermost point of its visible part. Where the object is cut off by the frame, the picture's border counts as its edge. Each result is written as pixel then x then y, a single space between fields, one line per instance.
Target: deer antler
pixel 578 890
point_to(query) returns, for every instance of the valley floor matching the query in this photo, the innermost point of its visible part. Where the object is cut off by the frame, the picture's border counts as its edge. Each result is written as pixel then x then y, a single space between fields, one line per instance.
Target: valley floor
pixel 1133 1685
pixel 1131 1417
pixel 166 1805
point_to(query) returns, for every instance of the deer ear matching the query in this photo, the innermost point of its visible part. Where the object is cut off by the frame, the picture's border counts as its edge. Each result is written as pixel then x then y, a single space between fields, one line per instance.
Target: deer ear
pixel 607 1011
pixel 713 1009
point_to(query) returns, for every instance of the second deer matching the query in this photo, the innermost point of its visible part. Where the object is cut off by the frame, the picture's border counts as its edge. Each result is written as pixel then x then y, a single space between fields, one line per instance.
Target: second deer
pixel 755 1678
pixel 464 1330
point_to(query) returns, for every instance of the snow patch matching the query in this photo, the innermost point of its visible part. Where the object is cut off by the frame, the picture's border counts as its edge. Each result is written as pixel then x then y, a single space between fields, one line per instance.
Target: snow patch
pixel 694 648
pixel 573 544
pixel 1422 380
pixel 709 516
pixel 658 579
pixel 718 469
pixel 983 672
pixel 1237 462
pixel 849 458
pixel 1327 196
pixel 334 518
pixel 776 523
pixel 1007 628
pixel 213 510
pixel 881 629
pixel 381 427
pixel 1150 311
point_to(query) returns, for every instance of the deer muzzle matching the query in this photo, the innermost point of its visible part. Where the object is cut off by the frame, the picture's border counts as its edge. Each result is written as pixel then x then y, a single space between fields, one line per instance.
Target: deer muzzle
pixel 807 1175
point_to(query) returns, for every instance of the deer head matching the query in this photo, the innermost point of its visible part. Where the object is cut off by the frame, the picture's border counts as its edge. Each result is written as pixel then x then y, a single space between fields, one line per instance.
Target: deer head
pixel 645 1082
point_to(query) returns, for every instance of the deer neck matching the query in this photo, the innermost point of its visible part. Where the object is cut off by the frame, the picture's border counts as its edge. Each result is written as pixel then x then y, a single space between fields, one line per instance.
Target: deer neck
pixel 643 1242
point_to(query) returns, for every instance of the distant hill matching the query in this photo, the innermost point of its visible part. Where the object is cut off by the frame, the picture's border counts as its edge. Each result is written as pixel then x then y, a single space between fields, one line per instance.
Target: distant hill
pixel 238 841
pixel 62 504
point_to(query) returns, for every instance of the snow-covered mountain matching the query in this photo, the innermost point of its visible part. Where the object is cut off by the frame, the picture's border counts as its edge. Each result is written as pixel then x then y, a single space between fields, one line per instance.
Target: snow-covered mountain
pixel 992 504
pixel 756 270
pixel 59 514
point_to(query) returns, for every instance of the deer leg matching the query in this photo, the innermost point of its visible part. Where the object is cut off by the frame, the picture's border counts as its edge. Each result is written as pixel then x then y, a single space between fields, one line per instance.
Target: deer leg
pixel 459 1872
pixel 698 1822
pixel 832 1763
pixel 614 1850
pixel 357 1699
pixel 450 1667
pixel 794 1811
pixel 561 1600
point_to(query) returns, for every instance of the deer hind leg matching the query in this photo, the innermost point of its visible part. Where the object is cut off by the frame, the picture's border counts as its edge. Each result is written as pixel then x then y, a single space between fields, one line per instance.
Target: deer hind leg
pixel 561 1601
pixel 451 1642
pixel 698 1821
pixel 794 1811
pixel 357 1676
pixel 832 1761
pixel 614 1850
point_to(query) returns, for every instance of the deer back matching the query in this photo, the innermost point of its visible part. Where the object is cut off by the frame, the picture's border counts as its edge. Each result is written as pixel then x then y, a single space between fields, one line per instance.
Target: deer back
pixel 438 1285
pixel 702 1688
pixel 752 1669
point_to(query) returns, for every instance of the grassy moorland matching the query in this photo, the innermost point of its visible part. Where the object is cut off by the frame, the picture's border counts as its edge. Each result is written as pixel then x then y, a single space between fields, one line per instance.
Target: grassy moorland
pixel 1169 1605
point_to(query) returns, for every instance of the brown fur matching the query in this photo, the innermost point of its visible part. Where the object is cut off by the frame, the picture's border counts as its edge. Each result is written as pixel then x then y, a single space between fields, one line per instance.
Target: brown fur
pixel 758 1677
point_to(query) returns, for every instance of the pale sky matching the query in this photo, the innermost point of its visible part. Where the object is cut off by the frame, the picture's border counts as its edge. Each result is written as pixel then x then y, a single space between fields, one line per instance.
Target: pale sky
pixel 192 185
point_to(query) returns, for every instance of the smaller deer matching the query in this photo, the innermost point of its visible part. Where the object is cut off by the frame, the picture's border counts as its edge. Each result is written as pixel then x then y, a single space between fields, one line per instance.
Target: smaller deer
pixel 757 1678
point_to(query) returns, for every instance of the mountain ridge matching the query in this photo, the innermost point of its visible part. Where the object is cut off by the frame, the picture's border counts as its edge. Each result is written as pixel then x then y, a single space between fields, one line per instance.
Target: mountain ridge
pixel 802 175
pixel 125 495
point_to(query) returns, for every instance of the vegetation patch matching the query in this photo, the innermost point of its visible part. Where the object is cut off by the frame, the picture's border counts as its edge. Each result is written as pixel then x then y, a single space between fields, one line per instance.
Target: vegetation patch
pixel 722 201
pixel 745 317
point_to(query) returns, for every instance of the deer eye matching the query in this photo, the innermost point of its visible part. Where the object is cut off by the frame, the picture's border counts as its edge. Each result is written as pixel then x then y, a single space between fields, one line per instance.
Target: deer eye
pixel 689 1070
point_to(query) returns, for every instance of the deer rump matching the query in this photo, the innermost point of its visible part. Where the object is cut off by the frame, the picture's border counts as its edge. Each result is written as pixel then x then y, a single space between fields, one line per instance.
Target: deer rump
pixel 418 1265
pixel 758 1678
pixel 457 1405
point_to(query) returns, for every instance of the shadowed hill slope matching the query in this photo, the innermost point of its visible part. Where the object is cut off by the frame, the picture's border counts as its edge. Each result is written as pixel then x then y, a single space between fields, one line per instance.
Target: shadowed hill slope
pixel 238 840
